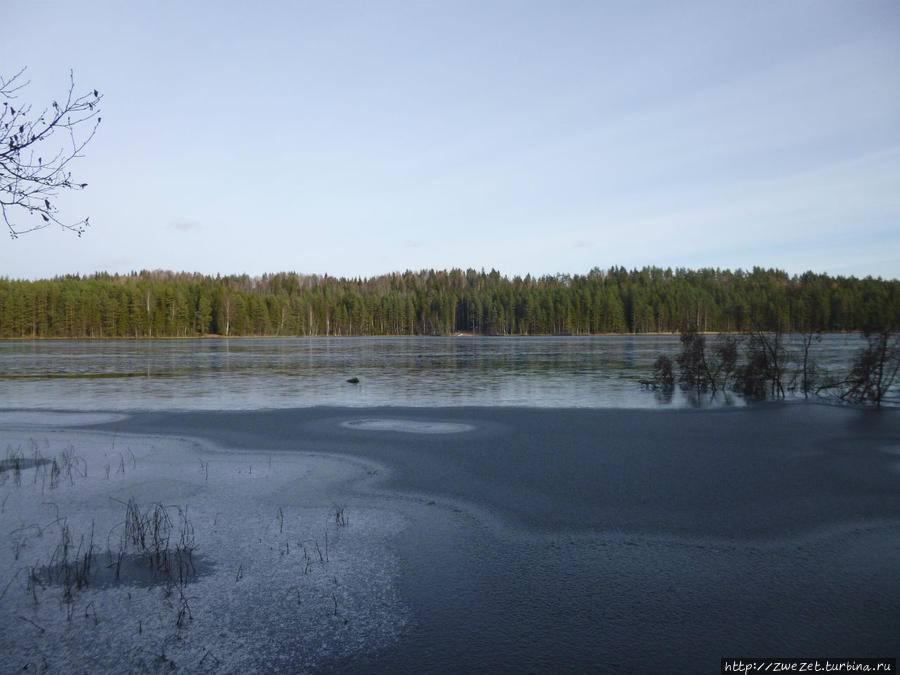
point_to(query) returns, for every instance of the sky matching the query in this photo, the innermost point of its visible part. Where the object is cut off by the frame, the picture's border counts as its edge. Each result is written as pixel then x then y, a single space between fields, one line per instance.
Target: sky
pixel 361 138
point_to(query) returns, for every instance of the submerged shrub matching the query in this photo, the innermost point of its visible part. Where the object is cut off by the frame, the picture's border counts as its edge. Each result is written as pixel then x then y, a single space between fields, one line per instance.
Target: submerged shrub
pixel 693 370
pixel 664 374
pixel 874 369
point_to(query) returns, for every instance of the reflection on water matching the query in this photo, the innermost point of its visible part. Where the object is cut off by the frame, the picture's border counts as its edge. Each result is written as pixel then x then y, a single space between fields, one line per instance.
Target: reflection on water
pixel 601 371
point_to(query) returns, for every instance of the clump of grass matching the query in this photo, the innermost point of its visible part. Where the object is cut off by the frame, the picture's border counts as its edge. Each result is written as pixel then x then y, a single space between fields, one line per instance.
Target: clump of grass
pixel 72 463
pixel 40 628
pixel 340 518
pixel 150 534
pixel 54 474
pixel 214 662
pixel 307 560
pixel 68 464
pixel 87 613
pixel 34 580
pixel 69 567
pixel 9 583
pixel 21 536
pixel 184 609
pixel 14 462
pixel 153 541
pixel 37 458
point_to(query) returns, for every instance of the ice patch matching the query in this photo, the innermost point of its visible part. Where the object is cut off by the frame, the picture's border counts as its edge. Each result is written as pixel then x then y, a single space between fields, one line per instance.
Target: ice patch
pixel 55 419
pixel 408 426
pixel 274 580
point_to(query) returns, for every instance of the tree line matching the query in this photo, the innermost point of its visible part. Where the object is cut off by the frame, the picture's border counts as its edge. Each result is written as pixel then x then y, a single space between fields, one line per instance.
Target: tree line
pixel 429 302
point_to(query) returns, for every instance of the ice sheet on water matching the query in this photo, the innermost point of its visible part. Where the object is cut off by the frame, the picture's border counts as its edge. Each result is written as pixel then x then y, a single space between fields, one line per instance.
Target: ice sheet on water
pixel 46 418
pixel 408 426
pixel 286 584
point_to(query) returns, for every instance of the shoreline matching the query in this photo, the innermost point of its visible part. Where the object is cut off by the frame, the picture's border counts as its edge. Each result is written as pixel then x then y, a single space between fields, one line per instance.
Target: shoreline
pixel 452 334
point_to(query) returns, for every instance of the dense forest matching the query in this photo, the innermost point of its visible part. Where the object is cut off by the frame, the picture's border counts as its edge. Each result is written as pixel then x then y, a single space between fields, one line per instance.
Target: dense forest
pixel 428 302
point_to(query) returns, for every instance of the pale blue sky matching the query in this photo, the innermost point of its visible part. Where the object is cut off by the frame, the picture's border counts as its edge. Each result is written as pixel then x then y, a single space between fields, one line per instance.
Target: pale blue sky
pixel 532 137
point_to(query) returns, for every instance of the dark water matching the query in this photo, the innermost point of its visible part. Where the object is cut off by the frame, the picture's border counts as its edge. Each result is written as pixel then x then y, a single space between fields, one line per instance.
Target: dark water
pixel 617 541
pixel 240 374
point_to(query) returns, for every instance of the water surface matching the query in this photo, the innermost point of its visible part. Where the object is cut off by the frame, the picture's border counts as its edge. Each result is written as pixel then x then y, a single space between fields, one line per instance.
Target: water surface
pixel 242 374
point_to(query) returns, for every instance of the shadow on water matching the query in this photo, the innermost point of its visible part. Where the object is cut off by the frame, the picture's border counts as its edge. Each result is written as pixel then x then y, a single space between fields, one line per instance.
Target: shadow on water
pixel 20 463
pixel 694 399
pixel 110 569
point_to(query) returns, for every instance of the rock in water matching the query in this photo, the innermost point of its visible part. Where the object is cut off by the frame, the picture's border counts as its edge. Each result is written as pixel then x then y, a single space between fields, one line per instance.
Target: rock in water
pixel 353 380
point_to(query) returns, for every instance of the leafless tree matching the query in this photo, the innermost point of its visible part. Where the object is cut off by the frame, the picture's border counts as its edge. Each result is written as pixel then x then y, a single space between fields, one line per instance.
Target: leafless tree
pixel 874 370
pixel 694 371
pixel 808 375
pixel 34 169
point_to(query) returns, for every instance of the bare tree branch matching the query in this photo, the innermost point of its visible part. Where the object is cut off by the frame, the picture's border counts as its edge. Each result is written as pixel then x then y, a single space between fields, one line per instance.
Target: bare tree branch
pixel 31 175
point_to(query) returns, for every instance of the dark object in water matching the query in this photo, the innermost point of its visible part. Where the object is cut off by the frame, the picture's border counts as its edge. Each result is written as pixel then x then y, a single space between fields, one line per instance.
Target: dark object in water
pixel 22 463
pixel 353 380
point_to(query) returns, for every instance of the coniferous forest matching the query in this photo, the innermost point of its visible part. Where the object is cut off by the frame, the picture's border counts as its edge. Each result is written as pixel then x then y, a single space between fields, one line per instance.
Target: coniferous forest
pixel 428 302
